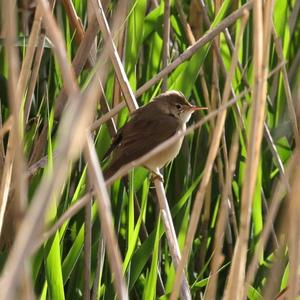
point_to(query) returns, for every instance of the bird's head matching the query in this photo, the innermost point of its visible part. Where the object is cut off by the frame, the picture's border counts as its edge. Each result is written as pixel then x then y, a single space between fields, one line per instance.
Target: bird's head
pixel 174 103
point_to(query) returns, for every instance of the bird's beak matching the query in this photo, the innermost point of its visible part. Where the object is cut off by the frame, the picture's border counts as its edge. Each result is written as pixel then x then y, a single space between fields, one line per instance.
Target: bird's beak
pixel 194 108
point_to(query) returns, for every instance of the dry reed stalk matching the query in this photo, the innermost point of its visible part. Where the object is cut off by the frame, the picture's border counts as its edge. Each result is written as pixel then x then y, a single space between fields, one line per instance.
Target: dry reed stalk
pixel 171 234
pixel 218 64
pixel 74 20
pixel 100 264
pixel 43 161
pixel 19 199
pixel 276 272
pixel 6 175
pixel 67 215
pixel 191 40
pixel 113 53
pixel 86 55
pixel 121 42
pixel 236 285
pixel 115 110
pixel 80 61
pixel 87 248
pixel 76 119
pixel 166 43
pixel 40 43
pixel 294 66
pixel 287 88
pixel 80 203
pixel 91 18
pixel 207 37
pixel 214 101
pixel 293 230
pixel 281 188
pixel 31 47
pixel 132 105
pixel 105 217
pixel 124 170
pixel 88 207
pixel 218 257
pixel 219 126
pixel 96 177
pixel 34 75
pixel 267 134
pixel 57 39
pixel 6 127
pixel 15 176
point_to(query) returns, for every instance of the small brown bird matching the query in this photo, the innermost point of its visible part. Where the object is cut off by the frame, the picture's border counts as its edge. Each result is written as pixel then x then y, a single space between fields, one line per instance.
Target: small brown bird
pixel 148 127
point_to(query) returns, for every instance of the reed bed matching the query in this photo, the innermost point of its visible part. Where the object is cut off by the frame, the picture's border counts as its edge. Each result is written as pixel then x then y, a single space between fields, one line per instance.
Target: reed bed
pixel 225 222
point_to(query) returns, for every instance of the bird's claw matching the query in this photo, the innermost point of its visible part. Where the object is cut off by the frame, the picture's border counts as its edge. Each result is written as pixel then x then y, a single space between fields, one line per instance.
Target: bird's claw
pixel 157 175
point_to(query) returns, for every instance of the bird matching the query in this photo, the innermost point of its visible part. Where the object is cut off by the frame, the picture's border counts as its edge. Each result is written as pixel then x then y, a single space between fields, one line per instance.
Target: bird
pixel 149 126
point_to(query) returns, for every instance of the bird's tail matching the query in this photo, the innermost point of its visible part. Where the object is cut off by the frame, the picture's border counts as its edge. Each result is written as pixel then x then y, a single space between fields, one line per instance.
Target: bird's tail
pixel 110 171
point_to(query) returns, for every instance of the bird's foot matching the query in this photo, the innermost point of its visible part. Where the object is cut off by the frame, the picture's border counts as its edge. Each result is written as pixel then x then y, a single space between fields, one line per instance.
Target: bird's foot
pixel 157 175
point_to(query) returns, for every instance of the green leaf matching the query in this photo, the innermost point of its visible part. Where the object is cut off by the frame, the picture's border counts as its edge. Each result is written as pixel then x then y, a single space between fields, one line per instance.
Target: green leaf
pixel 53 269
pixel 153 21
pixel 189 70
pixel 133 235
pixel 134 38
pixel 150 286
pixel 253 294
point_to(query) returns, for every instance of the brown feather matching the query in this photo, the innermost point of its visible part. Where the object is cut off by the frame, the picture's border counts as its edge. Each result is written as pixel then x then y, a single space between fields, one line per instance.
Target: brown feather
pixel 141 128
pixel 148 127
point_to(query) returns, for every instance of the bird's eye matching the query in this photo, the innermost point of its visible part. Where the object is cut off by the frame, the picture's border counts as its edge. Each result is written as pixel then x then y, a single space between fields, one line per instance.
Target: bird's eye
pixel 178 106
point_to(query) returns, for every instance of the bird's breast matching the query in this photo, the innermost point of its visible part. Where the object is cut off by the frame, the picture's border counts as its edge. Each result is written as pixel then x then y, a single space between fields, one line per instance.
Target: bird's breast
pixel 166 155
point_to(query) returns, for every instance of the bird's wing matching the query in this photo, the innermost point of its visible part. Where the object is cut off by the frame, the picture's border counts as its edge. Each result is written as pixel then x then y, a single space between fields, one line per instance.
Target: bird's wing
pixel 150 134
pixel 117 139
pixel 115 142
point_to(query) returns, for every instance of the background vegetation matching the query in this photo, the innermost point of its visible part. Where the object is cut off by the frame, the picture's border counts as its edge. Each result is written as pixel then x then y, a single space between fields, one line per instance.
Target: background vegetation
pixel 232 194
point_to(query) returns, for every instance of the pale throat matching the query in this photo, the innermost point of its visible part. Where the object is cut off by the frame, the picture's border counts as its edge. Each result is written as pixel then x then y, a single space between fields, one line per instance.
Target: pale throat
pixel 185 116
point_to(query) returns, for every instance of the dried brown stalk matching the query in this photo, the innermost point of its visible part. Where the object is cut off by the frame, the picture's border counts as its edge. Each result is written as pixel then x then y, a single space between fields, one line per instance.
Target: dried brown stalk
pixel 196 210
pixel 261 39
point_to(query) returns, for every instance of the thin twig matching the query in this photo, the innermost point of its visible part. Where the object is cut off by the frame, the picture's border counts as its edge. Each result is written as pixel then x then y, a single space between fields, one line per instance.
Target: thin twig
pixel 196 210
pixel 235 287
pixel 32 42
pixel 116 61
pixel 171 234
pixel 138 162
pixel 6 126
pixel 166 42
pixel 87 249
pixel 190 51
pixel 105 216
pixel 67 215
pixel 76 118
pixel 80 203
pixel 6 179
pixel 99 268
pixel 217 260
pixel 286 84
pixel 75 22
pixel 276 200
pixel 132 105
pixel 293 228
